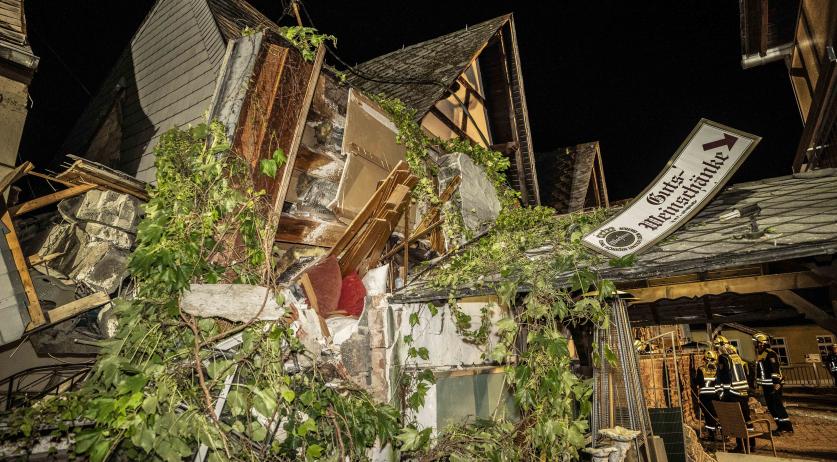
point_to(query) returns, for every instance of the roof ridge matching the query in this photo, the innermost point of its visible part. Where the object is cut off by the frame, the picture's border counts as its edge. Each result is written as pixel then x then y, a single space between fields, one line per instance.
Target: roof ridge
pixel 440 37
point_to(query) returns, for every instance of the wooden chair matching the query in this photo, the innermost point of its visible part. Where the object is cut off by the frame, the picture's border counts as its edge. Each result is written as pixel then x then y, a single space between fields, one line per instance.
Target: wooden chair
pixel 732 423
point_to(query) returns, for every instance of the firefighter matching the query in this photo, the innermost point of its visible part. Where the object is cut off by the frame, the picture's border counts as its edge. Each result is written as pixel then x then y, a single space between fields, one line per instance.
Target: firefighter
pixel 731 380
pixel 769 376
pixel 831 362
pixel 707 390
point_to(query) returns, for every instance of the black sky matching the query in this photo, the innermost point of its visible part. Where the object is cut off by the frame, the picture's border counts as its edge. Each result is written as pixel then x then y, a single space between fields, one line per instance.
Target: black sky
pixel 636 76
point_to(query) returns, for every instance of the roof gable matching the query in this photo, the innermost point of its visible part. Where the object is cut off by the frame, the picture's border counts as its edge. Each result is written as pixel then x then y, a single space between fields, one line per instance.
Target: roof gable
pixel 433 66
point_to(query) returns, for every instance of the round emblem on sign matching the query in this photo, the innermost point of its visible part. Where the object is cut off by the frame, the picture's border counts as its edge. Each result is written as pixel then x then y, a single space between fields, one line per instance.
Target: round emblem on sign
pixel 622 238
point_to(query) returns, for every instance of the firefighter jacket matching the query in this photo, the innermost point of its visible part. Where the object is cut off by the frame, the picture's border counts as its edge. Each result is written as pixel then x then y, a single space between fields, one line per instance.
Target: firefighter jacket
pixel 831 363
pixel 705 381
pixel 768 370
pixel 732 375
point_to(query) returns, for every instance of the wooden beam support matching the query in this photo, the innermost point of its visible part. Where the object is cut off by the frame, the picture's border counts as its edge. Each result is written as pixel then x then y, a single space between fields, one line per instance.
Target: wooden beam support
pixel 50 199
pixel 37 259
pixel 15 175
pixel 288 168
pixel 36 315
pixel 76 307
pixel 803 306
pixel 300 230
pixel 742 285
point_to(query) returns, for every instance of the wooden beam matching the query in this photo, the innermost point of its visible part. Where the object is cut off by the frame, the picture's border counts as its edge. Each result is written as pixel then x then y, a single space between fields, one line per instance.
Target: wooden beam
pixel 76 307
pixel 449 123
pixel 36 315
pixel 803 306
pixel 413 238
pixel 301 230
pixel 308 287
pixel 44 176
pixel 743 285
pixel 296 139
pixel 37 259
pixel 15 175
pixel 50 199
pixel 368 209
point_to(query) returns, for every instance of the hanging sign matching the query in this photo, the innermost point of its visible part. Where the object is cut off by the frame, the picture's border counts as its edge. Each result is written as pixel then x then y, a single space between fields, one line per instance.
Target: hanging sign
pixel 699 169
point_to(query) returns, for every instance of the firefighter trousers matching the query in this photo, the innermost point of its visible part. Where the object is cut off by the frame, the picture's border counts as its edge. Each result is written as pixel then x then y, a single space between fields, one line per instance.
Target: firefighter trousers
pixel 708 412
pixel 776 407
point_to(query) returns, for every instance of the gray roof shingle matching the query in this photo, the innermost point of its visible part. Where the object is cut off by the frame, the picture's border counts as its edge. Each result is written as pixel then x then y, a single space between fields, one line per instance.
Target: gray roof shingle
pixel 798 213
pixel 433 66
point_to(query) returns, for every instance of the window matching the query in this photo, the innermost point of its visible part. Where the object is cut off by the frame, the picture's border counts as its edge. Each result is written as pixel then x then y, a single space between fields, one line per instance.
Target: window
pixel 824 343
pixel 778 345
pixel 735 344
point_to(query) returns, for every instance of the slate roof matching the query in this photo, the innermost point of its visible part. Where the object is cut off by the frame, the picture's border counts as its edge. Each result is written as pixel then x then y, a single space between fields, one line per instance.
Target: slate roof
pixel 436 63
pixel 798 213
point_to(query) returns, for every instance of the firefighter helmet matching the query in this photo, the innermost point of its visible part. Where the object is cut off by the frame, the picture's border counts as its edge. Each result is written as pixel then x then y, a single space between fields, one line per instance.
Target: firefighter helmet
pixel 719 341
pixel 761 338
pixel 710 356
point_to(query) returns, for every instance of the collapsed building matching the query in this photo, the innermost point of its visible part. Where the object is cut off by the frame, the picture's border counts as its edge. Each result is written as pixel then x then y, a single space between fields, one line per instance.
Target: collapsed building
pixel 342 197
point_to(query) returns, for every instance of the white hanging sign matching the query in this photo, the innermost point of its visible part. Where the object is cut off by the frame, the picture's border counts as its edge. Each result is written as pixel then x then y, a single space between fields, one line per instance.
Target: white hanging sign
pixel 694 175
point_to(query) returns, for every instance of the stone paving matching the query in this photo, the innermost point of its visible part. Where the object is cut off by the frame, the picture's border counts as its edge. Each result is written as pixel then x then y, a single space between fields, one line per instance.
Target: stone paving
pixel 814 437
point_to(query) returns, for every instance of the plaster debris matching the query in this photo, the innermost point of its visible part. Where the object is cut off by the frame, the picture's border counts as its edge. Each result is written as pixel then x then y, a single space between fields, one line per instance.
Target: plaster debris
pixel 234 302
pixel 476 197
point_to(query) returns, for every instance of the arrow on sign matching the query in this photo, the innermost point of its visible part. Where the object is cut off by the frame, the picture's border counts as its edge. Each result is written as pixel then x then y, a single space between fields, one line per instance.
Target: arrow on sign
pixel 728 141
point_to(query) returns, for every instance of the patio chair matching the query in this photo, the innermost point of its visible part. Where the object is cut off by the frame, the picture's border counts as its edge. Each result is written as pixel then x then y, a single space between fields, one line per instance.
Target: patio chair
pixel 732 424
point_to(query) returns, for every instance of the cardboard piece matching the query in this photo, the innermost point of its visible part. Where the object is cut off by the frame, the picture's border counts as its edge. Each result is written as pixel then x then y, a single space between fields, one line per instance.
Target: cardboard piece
pixel 371 153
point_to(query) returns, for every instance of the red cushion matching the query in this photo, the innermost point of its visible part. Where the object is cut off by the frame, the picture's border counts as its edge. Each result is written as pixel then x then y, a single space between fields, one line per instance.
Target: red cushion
pixel 325 280
pixel 352 295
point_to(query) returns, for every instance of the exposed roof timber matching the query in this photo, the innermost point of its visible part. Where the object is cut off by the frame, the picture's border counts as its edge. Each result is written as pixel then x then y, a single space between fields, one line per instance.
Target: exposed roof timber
pixel 742 285
pixel 811 311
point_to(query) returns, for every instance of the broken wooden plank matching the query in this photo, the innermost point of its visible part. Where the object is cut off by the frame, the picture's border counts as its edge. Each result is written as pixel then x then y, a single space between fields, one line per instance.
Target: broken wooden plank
pixel 50 199
pixel 356 254
pixel 76 307
pixel 302 230
pixel 36 315
pixel 308 287
pixel 38 259
pixel 296 138
pixel 433 214
pixel 44 176
pixel 413 238
pixel 87 171
pixel 15 175
pixel 368 210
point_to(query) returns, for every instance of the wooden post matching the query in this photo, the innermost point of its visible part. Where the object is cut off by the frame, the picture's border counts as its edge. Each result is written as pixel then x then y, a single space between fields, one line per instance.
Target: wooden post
pixel 36 315
pixel 405 267
pixel 49 199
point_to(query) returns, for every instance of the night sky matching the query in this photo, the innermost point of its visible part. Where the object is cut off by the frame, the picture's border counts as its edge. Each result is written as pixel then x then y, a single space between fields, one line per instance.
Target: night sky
pixel 636 76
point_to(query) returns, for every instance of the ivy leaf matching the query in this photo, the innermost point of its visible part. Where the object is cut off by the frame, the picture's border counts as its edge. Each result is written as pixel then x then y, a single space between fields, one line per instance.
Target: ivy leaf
pixel 268 167
pixel 506 325
pixel 624 261
pixel 132 383
pixel 314 451
pixel 258 433
pixel 149 404
pixel 309 426
pixel 423 353
pixel 236 402
pixel 287 394
pixel 499 353
pixel 606 289
pixel 99 451
pixel 507 292
pixel 408 339
pixel 85 440
pixel 414 319
pixel 434 310
pixel 413 439
pixel 218 367
pixel 307 397
pixel 279 157
pixel 238 426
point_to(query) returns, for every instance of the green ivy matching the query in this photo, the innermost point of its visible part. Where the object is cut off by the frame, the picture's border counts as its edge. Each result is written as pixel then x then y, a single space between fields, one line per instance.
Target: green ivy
pixel 146 399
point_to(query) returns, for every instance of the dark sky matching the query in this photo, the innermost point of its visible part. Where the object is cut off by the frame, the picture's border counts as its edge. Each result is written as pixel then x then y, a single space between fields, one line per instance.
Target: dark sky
pixel 636 76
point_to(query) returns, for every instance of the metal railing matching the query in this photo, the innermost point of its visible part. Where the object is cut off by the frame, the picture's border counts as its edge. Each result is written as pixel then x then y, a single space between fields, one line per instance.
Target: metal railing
pixel 807 374
pixel 35 383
